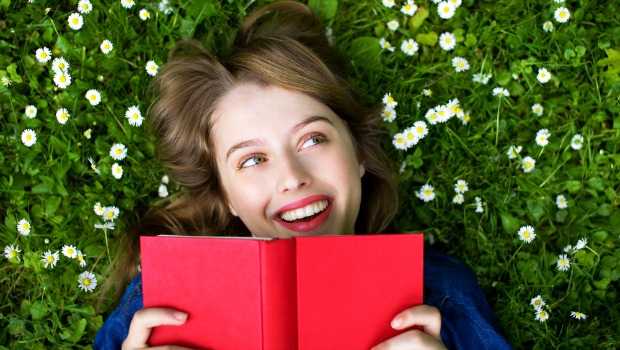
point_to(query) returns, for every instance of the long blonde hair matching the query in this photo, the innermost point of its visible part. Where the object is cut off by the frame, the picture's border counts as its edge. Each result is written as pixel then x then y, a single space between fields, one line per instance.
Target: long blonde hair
pixel 284 45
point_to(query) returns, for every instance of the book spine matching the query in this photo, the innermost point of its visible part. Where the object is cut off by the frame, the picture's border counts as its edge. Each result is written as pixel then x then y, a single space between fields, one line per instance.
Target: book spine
pixel 279 294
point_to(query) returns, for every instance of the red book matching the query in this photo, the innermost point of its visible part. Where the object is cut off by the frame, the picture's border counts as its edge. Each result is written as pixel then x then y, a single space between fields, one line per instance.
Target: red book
pixel 327 292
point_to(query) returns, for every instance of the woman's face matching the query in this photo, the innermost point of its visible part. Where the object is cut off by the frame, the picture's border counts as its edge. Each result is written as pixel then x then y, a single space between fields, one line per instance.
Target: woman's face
pixel 287 163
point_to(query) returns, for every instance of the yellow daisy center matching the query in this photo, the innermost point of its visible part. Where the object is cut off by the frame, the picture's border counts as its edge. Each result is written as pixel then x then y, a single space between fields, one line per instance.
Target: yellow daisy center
pixel 93 97
pixel 543 314
pixel 407 7
pixel 526 234
pixel 86 281
pixel 400 140
pixel 93 167
pixel 61 65
pixel 135 115
pixel 118 170
pixel 80 258
pixel 428 192
pixel 441 113
pixel 448 40
pixel 537 302
pixel 467 117
pixel 63 116
pixel 460 64
pixel 528 164
pixel 62 79
pixel 562 14
pixel 410 136
pixel 43 55
pixel 420 129
pixel 409 47
pixel 119 151
pixel 111 214
pixel 390 99
pixel 28 137
pixel 70 251
pixel 13 253
pixel 433 116
pixel 106 46
pixel 50 259
pixel 75 21
pixel 446 9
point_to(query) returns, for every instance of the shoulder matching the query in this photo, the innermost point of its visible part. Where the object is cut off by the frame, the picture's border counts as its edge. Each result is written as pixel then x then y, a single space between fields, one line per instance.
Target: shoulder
pixel 115 329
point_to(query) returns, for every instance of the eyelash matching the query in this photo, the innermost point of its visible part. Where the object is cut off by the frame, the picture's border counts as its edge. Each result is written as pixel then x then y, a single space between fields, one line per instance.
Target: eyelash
pixel 259 155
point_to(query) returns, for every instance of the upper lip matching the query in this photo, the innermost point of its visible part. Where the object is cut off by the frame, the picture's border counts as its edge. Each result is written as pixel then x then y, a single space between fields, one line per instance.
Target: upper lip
pixel 302 203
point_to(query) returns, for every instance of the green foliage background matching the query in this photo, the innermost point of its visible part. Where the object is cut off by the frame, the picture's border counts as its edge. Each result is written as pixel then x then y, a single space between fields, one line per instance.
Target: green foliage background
pixel 52 185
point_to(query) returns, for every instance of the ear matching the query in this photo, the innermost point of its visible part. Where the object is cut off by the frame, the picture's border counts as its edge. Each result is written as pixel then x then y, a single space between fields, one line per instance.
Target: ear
pixel 232 210
pixel 362 168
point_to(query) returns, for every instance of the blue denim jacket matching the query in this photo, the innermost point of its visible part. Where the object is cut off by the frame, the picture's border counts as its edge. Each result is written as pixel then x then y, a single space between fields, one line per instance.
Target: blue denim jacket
pixel 450 286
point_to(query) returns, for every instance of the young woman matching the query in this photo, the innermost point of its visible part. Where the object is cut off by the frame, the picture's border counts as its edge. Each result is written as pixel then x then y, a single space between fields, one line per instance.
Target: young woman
pixel 272 142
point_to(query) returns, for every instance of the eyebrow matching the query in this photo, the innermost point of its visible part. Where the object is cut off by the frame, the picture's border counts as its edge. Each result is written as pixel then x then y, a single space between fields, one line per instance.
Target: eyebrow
pixel 295 129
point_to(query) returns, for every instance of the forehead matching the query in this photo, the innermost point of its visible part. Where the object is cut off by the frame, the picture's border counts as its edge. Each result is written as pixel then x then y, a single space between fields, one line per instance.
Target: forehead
pixel 249 111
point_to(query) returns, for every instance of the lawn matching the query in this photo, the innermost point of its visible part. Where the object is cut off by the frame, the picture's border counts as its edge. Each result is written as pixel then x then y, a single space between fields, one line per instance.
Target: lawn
pixel 502 119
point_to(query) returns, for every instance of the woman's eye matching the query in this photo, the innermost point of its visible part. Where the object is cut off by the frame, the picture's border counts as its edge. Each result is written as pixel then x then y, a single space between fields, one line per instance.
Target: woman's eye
pixel 314 140
pixel 252 161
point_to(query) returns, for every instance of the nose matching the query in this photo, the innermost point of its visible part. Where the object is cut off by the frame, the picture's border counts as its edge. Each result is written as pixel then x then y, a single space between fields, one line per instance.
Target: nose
pixel 292 174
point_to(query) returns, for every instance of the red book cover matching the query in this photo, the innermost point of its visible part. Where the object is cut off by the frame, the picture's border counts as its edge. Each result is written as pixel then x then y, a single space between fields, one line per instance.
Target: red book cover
pixel 327 292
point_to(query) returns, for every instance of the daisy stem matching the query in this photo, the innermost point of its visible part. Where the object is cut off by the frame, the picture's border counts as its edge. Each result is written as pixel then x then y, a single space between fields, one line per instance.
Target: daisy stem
pixel 107 246
pixel 510 260
pixel 499 105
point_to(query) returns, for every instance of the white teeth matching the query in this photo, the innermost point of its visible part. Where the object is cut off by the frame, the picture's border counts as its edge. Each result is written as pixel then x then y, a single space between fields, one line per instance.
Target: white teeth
pixel 306 211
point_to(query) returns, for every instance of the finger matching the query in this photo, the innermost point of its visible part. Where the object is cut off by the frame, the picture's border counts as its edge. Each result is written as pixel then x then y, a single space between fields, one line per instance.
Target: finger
pixel 143 322
pixel 413 339
pixel 422 315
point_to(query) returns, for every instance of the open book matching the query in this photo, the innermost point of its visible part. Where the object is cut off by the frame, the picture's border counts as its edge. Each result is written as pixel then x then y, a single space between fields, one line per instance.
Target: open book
pixel 327 292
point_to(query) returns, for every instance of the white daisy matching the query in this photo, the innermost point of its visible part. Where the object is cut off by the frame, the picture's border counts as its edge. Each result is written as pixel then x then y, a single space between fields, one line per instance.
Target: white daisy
pixel 563 262
pixel 93 96
pixel 576 142
pixel 69 251
pixel 578 315
pixel 569 249
pixel 411 139
pixel 458 199
pixel 23 227
pixel 93 165
pixel 106 46
pixel 62 115
pixel 117 171
pixel 118 151
pixel 385 45
pixel 427 92
pixel 581 243
pixel 481 78
pixel 76 21
pixel 460 64
pixel 388 3
pixel 548 26
pixel 108 225
pixel 31 111
pixel 162 191
pixel 11 252
pixel 528 164
pixel 80 258
pixel 393 25
pixel 50 259
pixel 461 186
pixel 88 133
pixel 444 113
pixel 389 101
pixel 6 81
pixel 543 75
pixel 62 80
pixel 456 3
pixel 560 201
pixel 447 41
pixel 420 129
pixel 87 281
pixel 98 208
pixel 426 193
pixel 542 315
pixel 151 68
pixel 499 91
pixel 513 151
pixel 164 6
pixel 110 213
pixel 134 116
pixel 43 55
pixel 409 47
pixel 409 8
pixel 29 137
pixel 127 3
pixel 537 302
pixel 144 14
pixel 538 109
pixel 542 137
pixel 60 65
pixel 446 10
pixel 388 114
pixel 84 6
pixel 431 116
pixel 479 207
pixel 526 234
pixel 399 141
pixel 561 15
pixel 165 179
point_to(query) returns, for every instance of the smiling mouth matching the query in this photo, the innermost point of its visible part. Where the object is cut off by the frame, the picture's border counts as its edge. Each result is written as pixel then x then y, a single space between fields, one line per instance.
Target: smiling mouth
pixel 306 213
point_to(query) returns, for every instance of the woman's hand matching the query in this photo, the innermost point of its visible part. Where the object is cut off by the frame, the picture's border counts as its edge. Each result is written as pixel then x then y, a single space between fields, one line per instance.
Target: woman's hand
pixel 424 316
pixel 143 322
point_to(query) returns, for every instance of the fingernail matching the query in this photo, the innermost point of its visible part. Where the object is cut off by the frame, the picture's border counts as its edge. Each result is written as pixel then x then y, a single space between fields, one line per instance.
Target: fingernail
pixel 397 322
pixel 181 316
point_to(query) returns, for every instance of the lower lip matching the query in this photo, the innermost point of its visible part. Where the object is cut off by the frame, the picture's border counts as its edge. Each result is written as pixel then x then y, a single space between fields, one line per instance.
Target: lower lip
pixel 307 226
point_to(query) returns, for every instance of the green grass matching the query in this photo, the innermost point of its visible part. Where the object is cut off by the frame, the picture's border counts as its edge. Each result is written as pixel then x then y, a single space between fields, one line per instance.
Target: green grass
pixel 52 185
